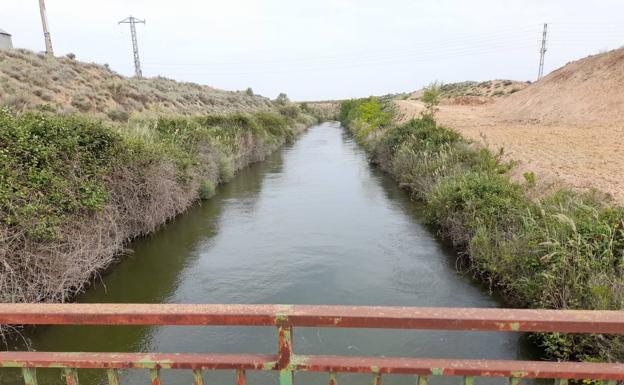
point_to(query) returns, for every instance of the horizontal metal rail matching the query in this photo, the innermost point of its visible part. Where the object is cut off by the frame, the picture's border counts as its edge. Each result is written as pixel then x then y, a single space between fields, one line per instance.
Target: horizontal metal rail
pixel 286 317
pixel 521 320
pixel 344 364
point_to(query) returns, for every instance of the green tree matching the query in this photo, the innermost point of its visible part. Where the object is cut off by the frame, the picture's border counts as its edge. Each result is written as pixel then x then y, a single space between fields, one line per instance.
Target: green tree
pixel 282 99
pixel 431 99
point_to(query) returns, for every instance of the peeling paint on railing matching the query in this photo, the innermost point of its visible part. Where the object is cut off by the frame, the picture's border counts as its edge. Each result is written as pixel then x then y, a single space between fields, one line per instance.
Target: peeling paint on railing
pixel 286 317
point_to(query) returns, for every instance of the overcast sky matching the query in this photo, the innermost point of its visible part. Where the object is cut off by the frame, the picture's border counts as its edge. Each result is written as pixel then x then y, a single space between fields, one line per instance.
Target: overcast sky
pixel 323 49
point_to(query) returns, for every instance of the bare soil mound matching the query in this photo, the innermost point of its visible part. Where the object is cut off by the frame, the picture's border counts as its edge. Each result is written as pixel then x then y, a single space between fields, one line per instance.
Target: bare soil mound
pixel 583 92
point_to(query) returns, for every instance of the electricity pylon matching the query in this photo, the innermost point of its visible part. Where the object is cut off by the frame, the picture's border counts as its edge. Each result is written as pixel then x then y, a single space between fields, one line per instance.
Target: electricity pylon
pixel 133 21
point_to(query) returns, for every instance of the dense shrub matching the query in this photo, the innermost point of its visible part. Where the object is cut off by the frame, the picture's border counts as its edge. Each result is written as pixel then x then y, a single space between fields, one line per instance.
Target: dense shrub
pixel 206 190
pixel 365 115
pixel 51 167
pixel 282 99
pixel 468 203
pixel 82 102
pixel 118 115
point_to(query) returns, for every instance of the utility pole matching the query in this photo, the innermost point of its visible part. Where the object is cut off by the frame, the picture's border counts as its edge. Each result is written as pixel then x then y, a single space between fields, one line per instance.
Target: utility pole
pixel 46 32
pixel 540 74
pixel 133 21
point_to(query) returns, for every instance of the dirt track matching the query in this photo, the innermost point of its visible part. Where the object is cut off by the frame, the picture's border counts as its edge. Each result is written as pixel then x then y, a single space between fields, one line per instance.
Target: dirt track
pixel 582 156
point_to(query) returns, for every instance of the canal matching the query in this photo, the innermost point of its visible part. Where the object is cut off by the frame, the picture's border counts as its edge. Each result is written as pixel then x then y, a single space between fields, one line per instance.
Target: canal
pixel 314 224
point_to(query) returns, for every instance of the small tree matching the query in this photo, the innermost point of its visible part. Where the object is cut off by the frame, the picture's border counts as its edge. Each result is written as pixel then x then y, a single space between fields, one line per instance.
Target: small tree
pixel 282 99
pixel 249 91
pixel 431 99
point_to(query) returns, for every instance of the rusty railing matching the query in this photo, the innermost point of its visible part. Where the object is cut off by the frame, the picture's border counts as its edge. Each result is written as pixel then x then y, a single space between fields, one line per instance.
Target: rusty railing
pixel 286 317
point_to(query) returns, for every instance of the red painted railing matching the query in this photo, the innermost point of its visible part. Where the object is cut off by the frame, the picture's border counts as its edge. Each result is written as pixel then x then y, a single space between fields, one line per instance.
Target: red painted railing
pixel 286 317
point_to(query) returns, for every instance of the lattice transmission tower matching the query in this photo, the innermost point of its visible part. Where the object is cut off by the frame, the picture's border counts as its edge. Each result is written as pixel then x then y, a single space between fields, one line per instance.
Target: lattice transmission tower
pixel 540 73
pixel 133 21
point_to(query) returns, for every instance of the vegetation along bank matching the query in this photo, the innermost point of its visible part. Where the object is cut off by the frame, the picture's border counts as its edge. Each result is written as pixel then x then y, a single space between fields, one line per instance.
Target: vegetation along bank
pixel 559 250
pixel 74 190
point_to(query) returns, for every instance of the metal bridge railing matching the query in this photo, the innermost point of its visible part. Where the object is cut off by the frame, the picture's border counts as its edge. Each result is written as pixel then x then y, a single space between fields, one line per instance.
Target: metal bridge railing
pixel 286 317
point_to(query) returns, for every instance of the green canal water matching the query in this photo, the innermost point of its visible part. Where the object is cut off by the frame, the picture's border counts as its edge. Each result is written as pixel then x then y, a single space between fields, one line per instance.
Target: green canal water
pixel 313 224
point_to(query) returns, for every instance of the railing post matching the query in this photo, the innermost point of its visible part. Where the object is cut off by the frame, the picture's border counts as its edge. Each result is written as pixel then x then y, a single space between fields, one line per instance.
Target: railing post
pixel 71 376
pixel 113 377
pixel 332 378
pixel 155 376
pixel 30 376
pixel 285 347
pixel 197 377
pixel 241 378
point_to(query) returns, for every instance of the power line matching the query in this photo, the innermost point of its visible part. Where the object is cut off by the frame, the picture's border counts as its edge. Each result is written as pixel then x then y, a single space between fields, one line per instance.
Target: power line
pixel 352 65
pixel 441 49
pixel 374 56
pixel 427 47
pixel 133 21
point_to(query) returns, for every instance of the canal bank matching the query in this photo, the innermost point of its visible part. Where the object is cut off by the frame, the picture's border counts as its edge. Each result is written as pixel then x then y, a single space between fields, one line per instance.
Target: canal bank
pixel 313 224
pixel 538 245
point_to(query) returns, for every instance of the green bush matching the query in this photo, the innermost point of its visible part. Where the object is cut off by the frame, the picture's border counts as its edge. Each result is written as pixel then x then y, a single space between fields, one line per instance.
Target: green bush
pixel 51 167
pixel 365 115
pixel 118 115
pixel 206 190
pixel 291 111
pixel 425 133
pixel 476 202
pixel 282 99
pixel 431 98
pixel 82 102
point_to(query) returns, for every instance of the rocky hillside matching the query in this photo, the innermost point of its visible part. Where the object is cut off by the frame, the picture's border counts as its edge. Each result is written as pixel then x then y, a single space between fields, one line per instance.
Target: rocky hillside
pixel 30 81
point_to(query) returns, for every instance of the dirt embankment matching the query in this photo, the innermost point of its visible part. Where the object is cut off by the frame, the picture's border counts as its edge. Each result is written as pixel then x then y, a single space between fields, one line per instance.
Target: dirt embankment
pixel 568 127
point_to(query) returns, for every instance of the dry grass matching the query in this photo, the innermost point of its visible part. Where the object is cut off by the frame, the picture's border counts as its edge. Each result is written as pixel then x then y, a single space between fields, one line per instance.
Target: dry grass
pixel 30 81
pixel 57 270
pixel 474 93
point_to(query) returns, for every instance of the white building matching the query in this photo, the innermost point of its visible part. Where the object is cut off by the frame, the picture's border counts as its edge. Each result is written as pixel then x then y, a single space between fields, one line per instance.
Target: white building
pixel 5 40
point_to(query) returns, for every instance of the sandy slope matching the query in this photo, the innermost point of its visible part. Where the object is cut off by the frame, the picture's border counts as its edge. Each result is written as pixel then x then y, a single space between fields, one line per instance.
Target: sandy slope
pixel 582 156
pixel 588 91
pixel 567 127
